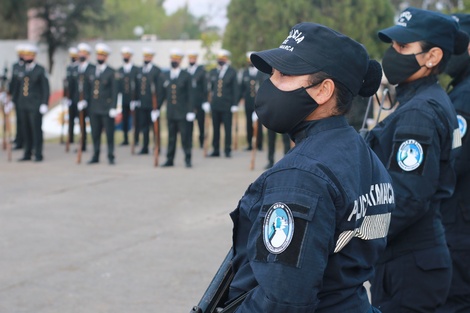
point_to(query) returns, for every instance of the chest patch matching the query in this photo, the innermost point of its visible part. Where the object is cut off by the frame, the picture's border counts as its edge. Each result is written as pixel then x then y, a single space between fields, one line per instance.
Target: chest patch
pixel 410 155
pixel 278 228
pixel 462 125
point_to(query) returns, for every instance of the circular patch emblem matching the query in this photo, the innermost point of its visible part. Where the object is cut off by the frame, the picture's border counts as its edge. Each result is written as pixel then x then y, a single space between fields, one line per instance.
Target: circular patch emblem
pixel 278 228
pixel 462 125
pixel 410 155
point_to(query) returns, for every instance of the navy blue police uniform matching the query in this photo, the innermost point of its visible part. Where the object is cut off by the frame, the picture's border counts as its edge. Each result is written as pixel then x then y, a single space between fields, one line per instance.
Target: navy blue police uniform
pixel 417 143
pixel 308 231
pixel 456 210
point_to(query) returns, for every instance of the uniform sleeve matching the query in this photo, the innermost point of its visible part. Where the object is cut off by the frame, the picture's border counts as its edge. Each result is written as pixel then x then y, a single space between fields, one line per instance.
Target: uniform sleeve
pixel 114 88
pixel 242 88
pixel 45 90
pixel 290 281
pixel 190 93
pixel 414 165
pixel 236 90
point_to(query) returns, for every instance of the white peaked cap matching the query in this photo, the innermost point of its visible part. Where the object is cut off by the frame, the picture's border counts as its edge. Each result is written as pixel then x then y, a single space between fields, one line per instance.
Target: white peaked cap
pixel 176 52
pixel 223 53
pixel 84 47
pixel 73 50
pixel 102 48
pixel 31 48
pixel 127 50
pixel 192 53
pixel 148 50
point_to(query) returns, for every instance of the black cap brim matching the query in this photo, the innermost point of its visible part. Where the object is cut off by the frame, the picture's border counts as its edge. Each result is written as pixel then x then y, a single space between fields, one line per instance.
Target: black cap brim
pixel 283 61
pixel 399 34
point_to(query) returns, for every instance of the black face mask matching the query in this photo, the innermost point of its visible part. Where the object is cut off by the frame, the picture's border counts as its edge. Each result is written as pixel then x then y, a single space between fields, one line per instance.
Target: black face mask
pixel 28 61
pixel 221 63
pixel 280 110
pixel 457 64
pixel 192 63
pixel 398 67
pixel 146 62
pixel 174 64
pixel 82 59
pixel 100 62
pixel 126 60
pixel 73 60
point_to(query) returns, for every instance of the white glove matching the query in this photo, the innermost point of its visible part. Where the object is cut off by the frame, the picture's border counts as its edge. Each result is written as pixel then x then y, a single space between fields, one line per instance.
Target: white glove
pixel 154 115
pixel 8 107
pixel 113 113
pixel 190 116
pixel 206 107
pixel 66 102
pixel 43 108
pixel 81 105
pixel 254 117
pixel 134 104
pixel 234 108
pixel 3 97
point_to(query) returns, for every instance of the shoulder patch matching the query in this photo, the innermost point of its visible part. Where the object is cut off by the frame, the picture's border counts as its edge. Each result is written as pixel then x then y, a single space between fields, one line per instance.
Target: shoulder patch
pixel 410 155
pixel 278 228
pixel 462 125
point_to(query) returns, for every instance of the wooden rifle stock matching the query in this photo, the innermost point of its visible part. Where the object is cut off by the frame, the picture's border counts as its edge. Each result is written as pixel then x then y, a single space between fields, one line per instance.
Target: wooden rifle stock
pixel 156 132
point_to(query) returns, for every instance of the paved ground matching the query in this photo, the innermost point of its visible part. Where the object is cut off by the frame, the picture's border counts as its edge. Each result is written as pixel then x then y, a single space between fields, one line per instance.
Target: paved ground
pixel 124 238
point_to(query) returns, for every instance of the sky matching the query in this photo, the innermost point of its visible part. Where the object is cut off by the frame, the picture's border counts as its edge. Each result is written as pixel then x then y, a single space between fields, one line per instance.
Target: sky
pixel 215 9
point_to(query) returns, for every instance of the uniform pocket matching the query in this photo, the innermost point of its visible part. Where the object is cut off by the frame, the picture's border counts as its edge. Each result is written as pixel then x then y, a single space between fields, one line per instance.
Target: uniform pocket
pixel 432 259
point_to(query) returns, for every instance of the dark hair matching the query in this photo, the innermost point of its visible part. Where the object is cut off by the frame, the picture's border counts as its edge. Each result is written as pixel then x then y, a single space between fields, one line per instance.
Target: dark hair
pixel 446 54
pixel 342 94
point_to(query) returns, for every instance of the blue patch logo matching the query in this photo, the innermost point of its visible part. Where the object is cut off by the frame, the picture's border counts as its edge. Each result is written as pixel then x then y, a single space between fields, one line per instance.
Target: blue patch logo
pixel 410 155
pixel 278 228
pixel 462 125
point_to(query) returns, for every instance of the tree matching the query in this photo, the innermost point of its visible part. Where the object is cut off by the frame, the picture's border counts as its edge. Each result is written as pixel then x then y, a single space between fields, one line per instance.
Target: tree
pixel 13 19
pixel 266 23
pixel 63 19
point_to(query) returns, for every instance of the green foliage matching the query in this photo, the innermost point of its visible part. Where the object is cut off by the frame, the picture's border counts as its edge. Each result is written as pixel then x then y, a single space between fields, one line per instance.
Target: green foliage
pixel 13 19
pixel 264 24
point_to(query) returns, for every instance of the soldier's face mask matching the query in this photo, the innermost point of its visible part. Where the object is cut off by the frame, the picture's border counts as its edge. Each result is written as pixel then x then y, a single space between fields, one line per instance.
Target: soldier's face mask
pixel 174 64
pixel 399 67
pixel 73 60
pixel 221 62
pixel 280 110
pixel 192 63
pixel 82 59
pixel 126 60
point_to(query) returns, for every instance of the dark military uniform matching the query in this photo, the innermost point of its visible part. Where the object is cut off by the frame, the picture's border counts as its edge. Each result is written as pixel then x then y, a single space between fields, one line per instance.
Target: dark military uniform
pixel 250 82
pixel 33 92
pixel 150 80
pixel 103 98
pixel 128 87
pixel 308 232
pixel 178 98
pixel 456 210
pixel 82 90
pixel 14 91
pixel 417 143
pixel 224 89
pixel 199 96
pixel 71 75
pixel 272 146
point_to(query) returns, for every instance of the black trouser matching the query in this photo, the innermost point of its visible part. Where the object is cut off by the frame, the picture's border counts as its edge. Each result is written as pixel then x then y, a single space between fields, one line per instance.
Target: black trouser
pixel 175 127
pixel 126 113
pixel 100 122
pixel 219 117
pixel 249 129
pixel 272 144
pixel 201 119
pixel 146 125
pixel 19 141
pixel 136 124
pixel 32 133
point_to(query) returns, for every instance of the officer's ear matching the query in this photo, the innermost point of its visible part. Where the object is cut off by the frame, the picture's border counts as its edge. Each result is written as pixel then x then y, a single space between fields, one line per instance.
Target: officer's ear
pixel 322 92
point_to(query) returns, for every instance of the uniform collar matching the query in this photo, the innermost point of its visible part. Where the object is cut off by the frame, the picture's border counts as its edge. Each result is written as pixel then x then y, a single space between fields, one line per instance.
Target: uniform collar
pixel 309 128
pixel 407 91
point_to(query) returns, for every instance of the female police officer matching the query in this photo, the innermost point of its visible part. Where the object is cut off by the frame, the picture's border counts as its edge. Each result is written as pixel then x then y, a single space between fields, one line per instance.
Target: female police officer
pixel 308 231
pixel 417 143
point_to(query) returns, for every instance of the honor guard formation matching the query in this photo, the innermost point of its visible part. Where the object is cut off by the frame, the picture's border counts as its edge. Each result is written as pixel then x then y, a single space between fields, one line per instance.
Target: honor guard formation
pixel 389 205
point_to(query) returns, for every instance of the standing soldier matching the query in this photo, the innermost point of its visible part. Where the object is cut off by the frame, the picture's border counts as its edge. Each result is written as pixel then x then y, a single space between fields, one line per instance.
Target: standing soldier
pixel 33 99
pixel 71 87
pixel 14 92
pixel 251 80
pixel 102 104
pixel 179 107
pixel 127 87
pixel 224 89
pixel 272 146
pixel 199 94
pixel 85 75
pixel 150 82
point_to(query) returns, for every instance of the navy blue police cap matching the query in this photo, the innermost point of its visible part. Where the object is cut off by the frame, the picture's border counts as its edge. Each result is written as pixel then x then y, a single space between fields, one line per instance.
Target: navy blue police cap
pixel 463 20
pixel 423 25
pixel 311 48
